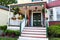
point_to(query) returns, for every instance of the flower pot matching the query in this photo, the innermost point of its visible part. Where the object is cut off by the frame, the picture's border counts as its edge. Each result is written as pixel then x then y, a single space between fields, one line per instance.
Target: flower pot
pixel 18 18
pixel 13 18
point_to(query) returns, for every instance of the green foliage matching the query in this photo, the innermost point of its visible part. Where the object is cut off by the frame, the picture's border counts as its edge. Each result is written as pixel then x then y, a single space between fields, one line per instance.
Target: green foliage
pixel 17 33
pixel 3 27
pixel 15 10
pixel 7 38
pixel 54 31
pixel 54 38
pixel 43 10
pixel 7 2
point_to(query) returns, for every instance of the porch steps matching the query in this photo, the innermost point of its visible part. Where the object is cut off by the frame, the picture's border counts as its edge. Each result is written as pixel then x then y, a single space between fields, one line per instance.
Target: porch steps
pixel 33 33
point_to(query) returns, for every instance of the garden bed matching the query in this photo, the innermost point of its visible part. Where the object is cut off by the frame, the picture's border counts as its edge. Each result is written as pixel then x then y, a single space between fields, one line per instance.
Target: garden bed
pixel 8 33
pixel 54 31
pixel 6 38
pixel 54 38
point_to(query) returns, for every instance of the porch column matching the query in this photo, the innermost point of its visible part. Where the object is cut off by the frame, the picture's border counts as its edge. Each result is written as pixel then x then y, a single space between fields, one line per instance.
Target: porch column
pixel 9 16
pixel 25 14
pixel 44 15
pixel 28 19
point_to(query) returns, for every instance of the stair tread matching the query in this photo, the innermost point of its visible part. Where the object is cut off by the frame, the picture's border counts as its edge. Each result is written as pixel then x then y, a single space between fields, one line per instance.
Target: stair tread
pixel 37 27
pixel 31 38
pixel 33 35
pixel 34 30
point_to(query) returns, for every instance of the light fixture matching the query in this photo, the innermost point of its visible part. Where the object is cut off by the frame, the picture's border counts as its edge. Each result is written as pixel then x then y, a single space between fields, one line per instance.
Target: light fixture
pixel 42 5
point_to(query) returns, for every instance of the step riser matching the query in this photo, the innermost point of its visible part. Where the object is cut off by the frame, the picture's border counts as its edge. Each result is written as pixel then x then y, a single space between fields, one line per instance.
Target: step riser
pixel 33 35
pixel 34 29
pixel 34 32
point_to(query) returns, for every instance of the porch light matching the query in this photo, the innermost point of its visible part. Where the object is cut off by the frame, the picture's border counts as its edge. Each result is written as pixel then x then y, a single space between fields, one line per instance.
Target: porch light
pixel 42 5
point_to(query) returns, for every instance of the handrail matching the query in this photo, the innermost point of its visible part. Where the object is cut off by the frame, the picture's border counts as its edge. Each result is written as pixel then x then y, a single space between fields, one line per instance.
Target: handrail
pixel 20 28
pixel 46 28
pixel 22 25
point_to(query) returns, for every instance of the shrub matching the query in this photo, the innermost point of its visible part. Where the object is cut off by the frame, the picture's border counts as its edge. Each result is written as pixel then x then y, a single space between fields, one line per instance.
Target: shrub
pixel 3 27
pixel 54 31
pixel 12 32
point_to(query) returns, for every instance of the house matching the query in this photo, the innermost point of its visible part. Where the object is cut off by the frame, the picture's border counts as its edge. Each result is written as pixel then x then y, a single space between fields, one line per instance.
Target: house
pixel 37 13
pixel 54 12
pixel 3 15
pixel 34 8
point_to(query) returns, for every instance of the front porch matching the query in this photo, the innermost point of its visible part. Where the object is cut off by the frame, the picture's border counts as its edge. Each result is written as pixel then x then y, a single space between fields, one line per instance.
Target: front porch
pixel 34 24
pixel 34 13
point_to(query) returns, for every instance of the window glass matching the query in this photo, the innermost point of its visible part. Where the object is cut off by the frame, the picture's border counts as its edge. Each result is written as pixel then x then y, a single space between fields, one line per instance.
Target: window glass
pixel 36 0
pixel 58 13
pixel 51 0
pixel 51 15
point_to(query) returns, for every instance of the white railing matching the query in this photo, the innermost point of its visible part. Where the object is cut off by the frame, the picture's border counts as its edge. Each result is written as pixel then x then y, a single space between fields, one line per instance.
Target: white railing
pixel 23 24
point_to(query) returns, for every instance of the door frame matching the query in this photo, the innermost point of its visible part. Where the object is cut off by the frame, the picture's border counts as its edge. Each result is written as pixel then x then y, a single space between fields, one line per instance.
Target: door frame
pixel 32 18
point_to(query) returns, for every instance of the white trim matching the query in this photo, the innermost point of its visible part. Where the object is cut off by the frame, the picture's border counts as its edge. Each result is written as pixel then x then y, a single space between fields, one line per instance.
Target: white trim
pixel 31 18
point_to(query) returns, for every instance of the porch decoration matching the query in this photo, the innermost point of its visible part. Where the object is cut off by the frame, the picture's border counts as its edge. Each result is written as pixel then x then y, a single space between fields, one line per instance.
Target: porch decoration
pixel 20 17
pixel 15 11
pixel 14 18
pixel 43 10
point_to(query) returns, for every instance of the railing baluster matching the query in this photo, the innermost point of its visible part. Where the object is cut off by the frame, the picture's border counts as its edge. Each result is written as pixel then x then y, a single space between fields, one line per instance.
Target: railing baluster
pixel 20 27
pixel 46 28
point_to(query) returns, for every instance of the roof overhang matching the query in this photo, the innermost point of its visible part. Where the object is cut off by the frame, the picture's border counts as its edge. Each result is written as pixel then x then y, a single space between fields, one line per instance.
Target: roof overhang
pixel 27 4
pixel 54 4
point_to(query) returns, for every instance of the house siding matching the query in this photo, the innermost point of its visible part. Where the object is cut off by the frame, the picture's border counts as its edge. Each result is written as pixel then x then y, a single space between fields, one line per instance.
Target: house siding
pixel 4 17
pixel 54 23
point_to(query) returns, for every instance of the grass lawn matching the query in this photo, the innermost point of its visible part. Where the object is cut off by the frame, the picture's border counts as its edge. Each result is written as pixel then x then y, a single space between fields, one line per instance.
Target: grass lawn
pixel 54 38
pixel 4 38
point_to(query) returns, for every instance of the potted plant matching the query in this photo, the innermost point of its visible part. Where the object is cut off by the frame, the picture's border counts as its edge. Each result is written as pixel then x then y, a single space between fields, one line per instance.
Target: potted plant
pixel 15 11
pixel 20 17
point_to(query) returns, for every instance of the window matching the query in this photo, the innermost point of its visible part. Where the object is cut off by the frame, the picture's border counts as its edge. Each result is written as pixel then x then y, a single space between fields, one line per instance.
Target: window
pixel 36 0
pixel 58 13
pixel 51 0
pixel 51 15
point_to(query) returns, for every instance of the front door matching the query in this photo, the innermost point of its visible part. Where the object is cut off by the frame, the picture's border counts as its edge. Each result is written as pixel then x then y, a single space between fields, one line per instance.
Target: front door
pixel 37 19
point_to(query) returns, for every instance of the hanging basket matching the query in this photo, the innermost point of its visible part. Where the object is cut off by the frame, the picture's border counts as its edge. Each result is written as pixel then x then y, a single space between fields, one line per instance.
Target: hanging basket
pixel 13 18
pixel 20 18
